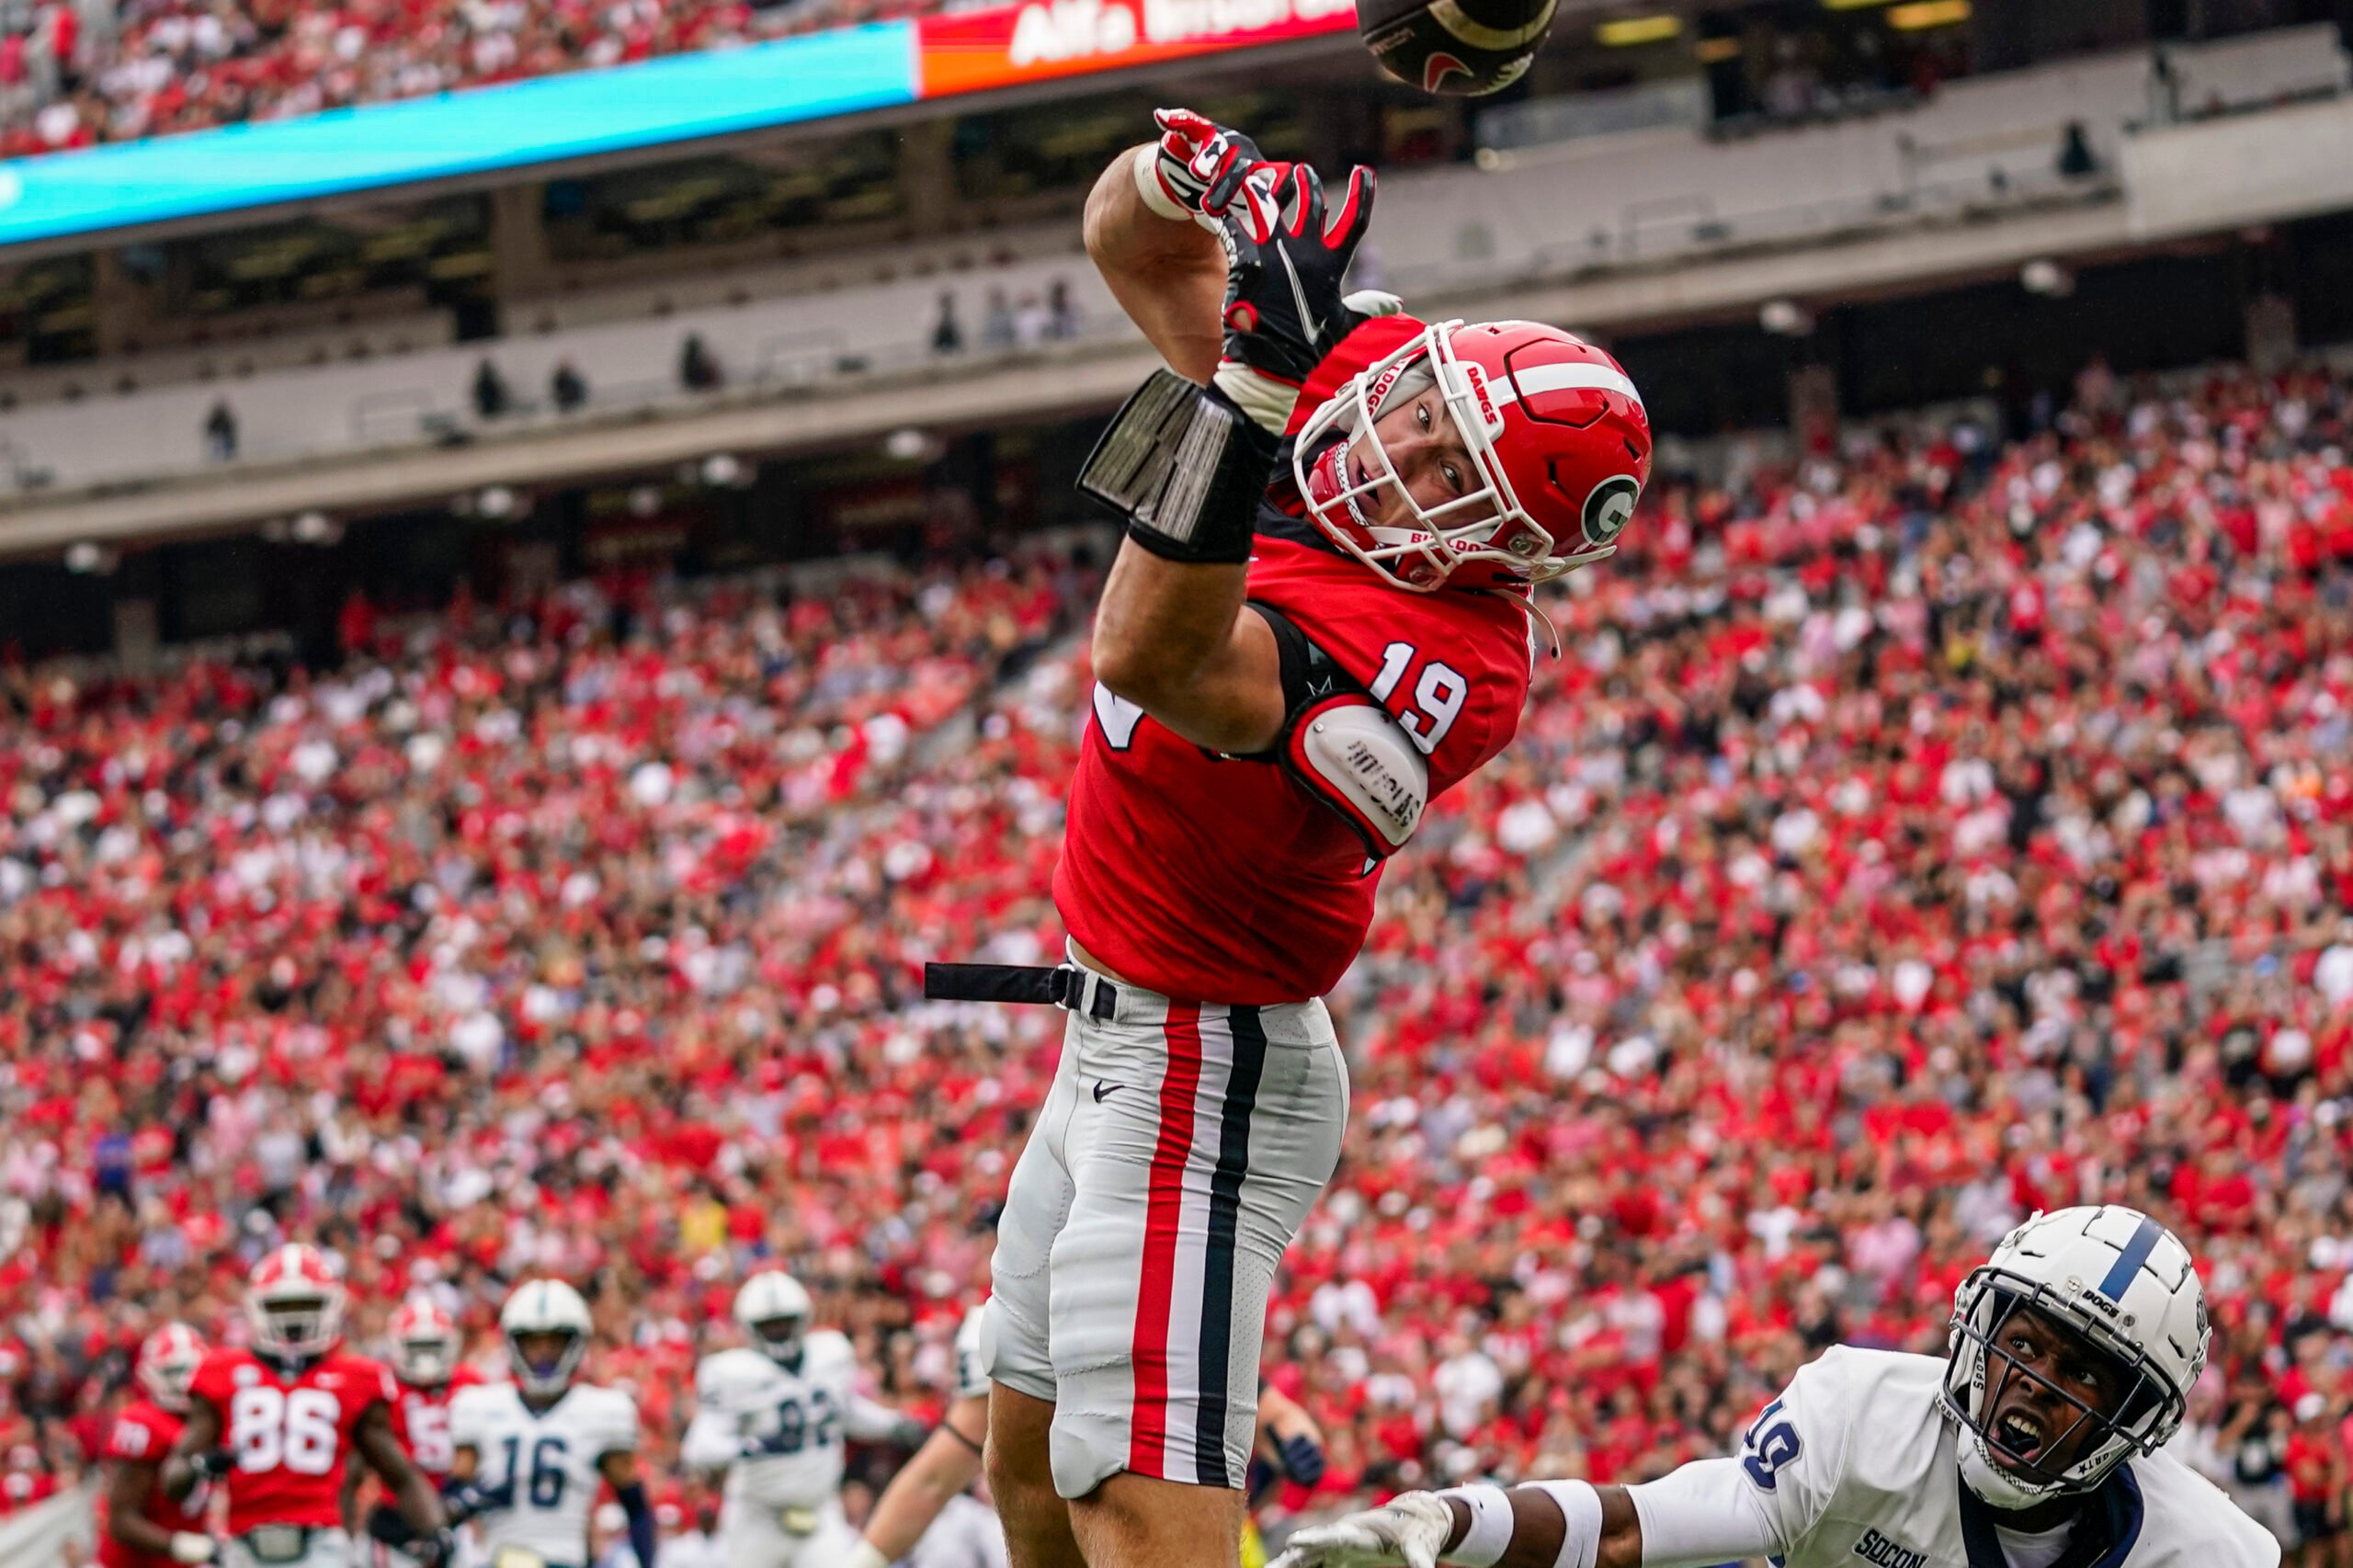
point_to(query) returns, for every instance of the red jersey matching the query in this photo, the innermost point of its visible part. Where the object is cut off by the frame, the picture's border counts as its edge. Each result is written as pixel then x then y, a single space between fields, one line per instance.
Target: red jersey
pixel 292 1435
pixel 1211 880
pixel 143 1433
pixel 421 1421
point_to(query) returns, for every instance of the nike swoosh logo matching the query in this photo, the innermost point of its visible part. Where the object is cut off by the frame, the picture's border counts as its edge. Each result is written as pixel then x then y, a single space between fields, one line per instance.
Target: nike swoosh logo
pixel 1299 298
pixel 1103 1089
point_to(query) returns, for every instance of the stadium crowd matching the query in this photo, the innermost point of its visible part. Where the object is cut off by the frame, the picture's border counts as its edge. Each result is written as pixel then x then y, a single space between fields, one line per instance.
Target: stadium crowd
pixel 73 73
pixel 1936 829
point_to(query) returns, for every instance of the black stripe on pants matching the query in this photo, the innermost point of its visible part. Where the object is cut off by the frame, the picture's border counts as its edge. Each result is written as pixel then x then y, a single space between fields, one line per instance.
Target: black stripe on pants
pixel 1217 1272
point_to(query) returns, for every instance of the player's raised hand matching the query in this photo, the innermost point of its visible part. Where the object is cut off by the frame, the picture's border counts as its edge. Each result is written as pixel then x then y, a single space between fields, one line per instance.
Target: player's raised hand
pixel 1287 249
pixel 1410 1528
pixel 1198 168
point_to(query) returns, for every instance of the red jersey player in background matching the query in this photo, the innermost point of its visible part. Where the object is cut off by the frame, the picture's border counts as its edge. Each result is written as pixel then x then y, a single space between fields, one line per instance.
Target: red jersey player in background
pixel 277 1423
pixel 424 1348
pixel 1319 621
pixel 145 1528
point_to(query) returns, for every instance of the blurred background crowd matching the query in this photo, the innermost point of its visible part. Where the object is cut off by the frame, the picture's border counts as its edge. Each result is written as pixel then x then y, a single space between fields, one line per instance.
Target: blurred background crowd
pixel 75 72
pixel 1952 823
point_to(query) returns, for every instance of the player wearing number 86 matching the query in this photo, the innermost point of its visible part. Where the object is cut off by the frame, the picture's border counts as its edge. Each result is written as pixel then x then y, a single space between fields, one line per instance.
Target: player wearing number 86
pixel 276 1425
pixel 774 1414
pixel 1320 621
pixel 531 1456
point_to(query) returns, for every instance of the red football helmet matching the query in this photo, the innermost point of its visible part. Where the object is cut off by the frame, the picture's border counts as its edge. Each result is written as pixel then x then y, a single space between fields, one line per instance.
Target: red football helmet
pixel 426 1345
pixel 295 1304
pixel 1554 425
pixel 167 1362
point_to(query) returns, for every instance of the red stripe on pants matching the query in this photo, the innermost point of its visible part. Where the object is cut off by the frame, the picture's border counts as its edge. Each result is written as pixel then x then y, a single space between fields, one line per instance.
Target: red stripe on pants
pixel 1164 1203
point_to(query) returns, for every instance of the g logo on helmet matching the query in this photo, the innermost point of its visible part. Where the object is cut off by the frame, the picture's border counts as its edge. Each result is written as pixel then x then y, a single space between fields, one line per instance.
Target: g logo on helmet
pixel 1609 506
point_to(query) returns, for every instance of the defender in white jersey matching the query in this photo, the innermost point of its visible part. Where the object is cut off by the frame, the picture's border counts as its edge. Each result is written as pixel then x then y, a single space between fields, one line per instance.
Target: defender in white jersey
pixel 2034 1445
pixel 532 1454
pixel 774 1416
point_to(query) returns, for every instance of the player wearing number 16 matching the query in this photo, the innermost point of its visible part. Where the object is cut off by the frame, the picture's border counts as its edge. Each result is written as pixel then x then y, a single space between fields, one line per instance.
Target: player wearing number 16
pixel 1320 621
pixel 276 1425
pixel 531 1455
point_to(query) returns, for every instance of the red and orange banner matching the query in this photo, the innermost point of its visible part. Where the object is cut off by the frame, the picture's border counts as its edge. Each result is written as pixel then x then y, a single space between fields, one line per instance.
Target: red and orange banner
pixel 1036 40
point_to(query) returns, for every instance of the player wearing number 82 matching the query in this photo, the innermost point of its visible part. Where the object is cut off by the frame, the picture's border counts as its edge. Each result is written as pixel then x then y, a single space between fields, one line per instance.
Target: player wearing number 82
pixel 1318 623
pixel 531 1454
pixel 774 1414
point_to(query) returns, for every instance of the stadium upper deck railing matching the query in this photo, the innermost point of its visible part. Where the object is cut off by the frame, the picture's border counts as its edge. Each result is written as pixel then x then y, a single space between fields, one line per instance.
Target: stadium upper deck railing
pixel 1471 249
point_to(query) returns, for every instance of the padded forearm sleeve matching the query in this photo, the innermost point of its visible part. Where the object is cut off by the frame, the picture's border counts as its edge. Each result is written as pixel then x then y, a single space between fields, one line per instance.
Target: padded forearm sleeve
pixel 1186 468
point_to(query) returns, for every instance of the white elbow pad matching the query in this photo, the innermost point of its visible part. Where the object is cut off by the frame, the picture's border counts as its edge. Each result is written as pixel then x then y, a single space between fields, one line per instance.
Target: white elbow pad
pixel 1352 754
pixel 1346 750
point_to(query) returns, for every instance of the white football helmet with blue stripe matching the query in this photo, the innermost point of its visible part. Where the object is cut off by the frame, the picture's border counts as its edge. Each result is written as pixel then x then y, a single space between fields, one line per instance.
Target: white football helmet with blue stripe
pixel 2119 1282
pixel 774 1310
pixel 551 1308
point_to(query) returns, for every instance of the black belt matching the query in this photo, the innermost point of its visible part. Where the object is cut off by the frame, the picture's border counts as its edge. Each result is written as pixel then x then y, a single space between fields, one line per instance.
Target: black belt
pixel 1062 985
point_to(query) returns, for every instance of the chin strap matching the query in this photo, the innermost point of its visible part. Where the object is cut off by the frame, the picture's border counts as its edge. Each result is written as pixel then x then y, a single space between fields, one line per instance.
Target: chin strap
pixel 1526 602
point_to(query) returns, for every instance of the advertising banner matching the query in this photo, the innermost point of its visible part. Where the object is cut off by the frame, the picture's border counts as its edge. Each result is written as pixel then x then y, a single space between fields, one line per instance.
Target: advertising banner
pixel 1040 39
pixel 513 125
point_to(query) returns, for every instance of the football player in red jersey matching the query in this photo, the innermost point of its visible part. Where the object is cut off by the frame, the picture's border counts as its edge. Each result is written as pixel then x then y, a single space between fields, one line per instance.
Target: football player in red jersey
pixel 424 1347
pixel 277 1424
pixel 1319 621
pixel 145 1528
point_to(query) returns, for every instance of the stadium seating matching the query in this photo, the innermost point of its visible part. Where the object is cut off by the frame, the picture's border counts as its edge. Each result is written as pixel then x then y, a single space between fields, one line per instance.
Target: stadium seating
pixel 1982 146
pixel 1939 829
pixel 166 66
pixel 172 66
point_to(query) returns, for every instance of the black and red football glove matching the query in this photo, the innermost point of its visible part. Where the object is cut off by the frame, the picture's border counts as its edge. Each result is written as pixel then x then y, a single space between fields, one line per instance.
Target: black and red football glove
pixel 1287 253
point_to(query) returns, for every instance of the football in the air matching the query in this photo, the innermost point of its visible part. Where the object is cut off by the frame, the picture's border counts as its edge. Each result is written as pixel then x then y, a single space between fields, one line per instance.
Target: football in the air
pixel 1455 48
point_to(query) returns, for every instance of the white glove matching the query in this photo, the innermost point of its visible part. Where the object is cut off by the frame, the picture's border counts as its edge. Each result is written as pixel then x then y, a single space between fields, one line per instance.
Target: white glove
pixel 189 1546
pixel 1410 1528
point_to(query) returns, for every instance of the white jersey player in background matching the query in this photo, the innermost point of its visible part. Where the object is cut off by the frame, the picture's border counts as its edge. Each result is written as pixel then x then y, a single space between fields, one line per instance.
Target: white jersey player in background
pixel 2034 1446
pixel 774 1415
pixel 532 1454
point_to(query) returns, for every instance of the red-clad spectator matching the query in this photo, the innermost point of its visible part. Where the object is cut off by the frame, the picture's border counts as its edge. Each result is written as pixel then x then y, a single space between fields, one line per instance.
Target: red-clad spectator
pixel 1820 922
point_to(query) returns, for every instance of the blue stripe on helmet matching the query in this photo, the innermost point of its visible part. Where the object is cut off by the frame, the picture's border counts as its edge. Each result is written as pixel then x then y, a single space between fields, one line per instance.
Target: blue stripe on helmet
pixel 2128 1261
